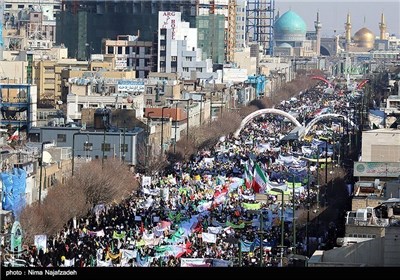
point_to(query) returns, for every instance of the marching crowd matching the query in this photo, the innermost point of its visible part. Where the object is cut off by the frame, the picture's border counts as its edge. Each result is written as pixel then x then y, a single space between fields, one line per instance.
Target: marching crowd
pixel 206 212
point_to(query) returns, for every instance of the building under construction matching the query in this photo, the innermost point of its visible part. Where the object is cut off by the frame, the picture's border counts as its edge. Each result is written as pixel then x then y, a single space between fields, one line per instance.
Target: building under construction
pixel 82 25
pixel 260 15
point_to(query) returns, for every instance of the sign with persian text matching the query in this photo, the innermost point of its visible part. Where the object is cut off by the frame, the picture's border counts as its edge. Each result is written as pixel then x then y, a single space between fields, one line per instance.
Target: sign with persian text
pixel 377 169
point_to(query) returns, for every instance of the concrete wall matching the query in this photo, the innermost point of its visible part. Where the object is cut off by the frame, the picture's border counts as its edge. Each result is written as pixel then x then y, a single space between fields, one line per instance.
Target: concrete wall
pixel 381 145
pixel 368 252
pixel 364 202
pixel 391 255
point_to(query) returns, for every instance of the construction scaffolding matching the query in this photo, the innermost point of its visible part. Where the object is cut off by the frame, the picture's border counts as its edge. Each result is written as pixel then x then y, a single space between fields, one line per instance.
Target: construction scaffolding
pixel 260 16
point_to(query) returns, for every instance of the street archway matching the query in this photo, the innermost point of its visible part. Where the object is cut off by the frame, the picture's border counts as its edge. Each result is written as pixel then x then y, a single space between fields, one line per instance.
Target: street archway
pixel 326 116
pixel 266 111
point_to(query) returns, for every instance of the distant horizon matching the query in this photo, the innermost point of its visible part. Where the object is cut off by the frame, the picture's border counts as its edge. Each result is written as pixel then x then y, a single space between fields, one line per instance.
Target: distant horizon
pixel 333 15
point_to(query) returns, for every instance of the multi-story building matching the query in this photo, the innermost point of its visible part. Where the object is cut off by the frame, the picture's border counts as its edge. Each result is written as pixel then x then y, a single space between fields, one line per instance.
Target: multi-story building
pixel 88 22
pixel 47 76
pixel 241 19
pixel 140 56
pixel 178 52
pixel 123 144
pixel 211 33
pixel 18 107
pixel 30 24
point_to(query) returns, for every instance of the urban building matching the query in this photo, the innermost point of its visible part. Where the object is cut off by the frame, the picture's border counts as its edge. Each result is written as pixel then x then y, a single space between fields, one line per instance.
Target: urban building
pixel 241 20
pixel 132 54
pixel 211 33
pixel 18 108
pixel 99 143
pixel 178 52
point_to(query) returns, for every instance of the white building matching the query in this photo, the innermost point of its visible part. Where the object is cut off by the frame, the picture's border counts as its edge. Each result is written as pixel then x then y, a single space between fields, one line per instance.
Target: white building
pixel 178 52
pixel 128 95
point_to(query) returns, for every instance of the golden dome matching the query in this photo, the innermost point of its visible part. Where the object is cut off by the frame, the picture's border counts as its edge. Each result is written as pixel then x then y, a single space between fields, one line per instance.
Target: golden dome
pixel 364 38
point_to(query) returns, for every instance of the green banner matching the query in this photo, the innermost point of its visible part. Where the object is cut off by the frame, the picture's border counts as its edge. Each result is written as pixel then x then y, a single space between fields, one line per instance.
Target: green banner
pixel 251 206
pixel 229 224
pixel 119 235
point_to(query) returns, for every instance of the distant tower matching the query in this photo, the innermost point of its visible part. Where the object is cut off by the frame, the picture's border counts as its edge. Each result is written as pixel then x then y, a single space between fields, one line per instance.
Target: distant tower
pixel 347 27
pixel 318 25
pixel 382 28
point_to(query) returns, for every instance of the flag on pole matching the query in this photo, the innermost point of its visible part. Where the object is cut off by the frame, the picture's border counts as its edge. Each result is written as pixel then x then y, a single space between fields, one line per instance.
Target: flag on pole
pixel 248 176
pixel 260 180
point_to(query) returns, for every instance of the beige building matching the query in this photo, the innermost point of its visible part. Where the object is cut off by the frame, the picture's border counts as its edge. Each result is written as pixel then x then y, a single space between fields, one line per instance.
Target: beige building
pixel 245 61
pixel 381 145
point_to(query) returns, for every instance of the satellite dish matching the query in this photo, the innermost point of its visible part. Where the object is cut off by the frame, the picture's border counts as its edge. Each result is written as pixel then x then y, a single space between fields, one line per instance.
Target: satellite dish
pixel 47 158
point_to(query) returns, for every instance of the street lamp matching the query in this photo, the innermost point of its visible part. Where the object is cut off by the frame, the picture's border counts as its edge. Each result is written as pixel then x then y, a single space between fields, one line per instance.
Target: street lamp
pixel 41 168
pixel 147 140
pixel 176 126
pixel 280 190
pixel 162 130
pixel 293 214
pixel 104 140
pixel 86 147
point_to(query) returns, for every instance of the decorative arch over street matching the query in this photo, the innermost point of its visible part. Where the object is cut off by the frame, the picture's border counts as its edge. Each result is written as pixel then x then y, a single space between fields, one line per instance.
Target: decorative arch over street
pixel 327 116
pixel 266 111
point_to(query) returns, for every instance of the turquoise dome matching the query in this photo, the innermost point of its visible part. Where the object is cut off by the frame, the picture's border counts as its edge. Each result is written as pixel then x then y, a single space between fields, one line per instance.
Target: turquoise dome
pixel 290 27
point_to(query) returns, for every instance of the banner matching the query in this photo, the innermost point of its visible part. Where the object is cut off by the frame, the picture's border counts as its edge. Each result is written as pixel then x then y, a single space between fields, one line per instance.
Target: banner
pixel 117 235
pixel 229 224
pixel 146 181
pixel 251 206
pixel 194 262
pixel 41 242
pixel 209 237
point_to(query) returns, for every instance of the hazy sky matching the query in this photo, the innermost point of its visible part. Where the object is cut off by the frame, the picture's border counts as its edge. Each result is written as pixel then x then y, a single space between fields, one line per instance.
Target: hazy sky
pixel 333 14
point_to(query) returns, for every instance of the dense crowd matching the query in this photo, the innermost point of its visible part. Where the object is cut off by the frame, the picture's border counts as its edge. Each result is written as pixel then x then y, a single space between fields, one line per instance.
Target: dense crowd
pixel 206 211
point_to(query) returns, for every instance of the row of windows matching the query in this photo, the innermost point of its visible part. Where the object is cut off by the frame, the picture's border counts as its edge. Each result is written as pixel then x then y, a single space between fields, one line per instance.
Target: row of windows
pixel 129 50
pixel 21 6
pixel 106 147
pixel 362 235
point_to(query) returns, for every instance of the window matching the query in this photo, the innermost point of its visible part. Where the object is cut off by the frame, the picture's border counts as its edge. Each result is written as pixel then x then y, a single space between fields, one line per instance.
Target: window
pixel 61 138
pixel 105 147
pixel 36 15
pixel 124 148
pixel 149 90
pixel 119 50
pixel 185 69
pixel 110 49
pixel 149 102
pixel 173 69
pixel 21 6
pixel 188 58
pixel 199 69
pixel 162 69
pixel 8 6
pixel 57 7
pixel 173 58
pixel 162 48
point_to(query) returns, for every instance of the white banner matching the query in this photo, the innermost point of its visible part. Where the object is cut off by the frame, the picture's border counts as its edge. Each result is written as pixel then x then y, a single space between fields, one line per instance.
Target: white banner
pixel 209 237
pixel 146 181
pixel 195 262
pixel 41 242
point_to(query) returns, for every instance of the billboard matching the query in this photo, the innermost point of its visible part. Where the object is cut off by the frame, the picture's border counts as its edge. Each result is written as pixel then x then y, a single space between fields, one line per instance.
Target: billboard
pixel 377 169
pixel 130 86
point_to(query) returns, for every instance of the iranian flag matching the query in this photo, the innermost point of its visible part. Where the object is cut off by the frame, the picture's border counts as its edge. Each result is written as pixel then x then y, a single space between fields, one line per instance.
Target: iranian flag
pixel 248 177
pixel 260 180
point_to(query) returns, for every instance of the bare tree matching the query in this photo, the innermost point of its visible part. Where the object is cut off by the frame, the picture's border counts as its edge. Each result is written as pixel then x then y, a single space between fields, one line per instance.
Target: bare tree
pixel 93 183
